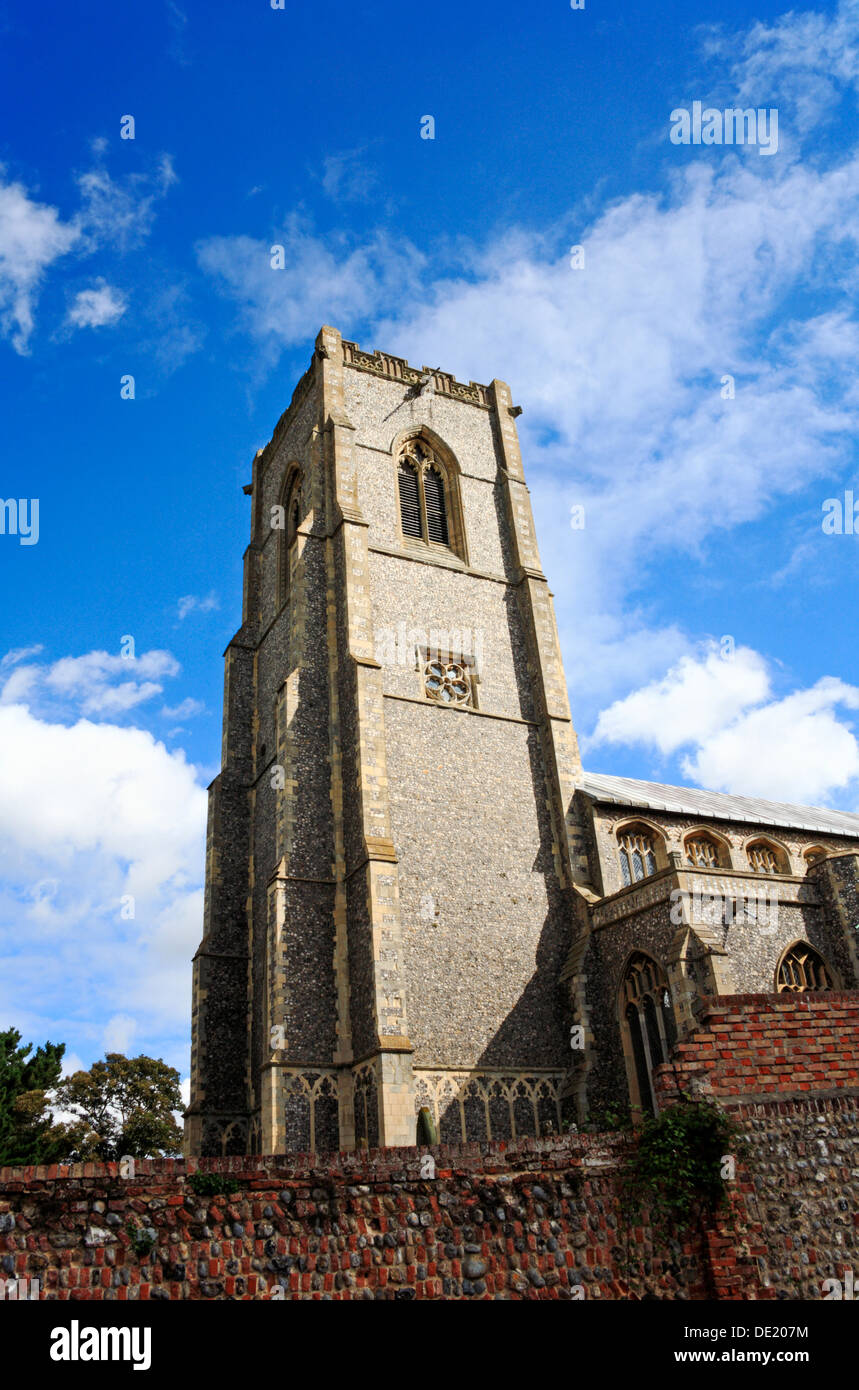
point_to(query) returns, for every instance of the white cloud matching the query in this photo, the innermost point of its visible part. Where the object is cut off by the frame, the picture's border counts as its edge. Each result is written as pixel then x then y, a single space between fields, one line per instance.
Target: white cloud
pixel 97 787
pixel 808 59
pixel 98 683
pixel 16 654
pixel 795 749
pixel 324 280
pixel 87 680
pixel 32 237
pixel 102 841
pixel 20 684
pixel 346 177
pixel 118 1033
pixel 696 699
pixel 186 709
pixel 192 603
pixel 799 748
pixel 93 308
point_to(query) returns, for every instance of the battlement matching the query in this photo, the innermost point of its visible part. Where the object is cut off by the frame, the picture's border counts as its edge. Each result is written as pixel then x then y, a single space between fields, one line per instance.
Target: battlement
pixel 440 383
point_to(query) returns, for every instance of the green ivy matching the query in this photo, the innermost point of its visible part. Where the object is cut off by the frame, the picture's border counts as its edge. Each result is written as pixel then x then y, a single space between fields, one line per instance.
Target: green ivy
pixel 142 1238
pixel 675 1168
pixel 211 1184
pixel 608 1118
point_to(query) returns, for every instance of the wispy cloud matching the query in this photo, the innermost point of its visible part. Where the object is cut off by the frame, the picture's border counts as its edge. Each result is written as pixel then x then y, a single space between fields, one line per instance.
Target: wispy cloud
pixel 347 177
pixel 323 279
pixel 96 684
pixel 192 603
pixel 121 212
pixel 113 213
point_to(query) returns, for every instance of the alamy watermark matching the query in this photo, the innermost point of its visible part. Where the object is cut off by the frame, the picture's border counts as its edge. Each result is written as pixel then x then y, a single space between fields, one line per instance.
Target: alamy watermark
pixel 14 519
pixel 407 646
pixel 756 908
pixel 840 1290
pixel 735 126
pixel 19 1290
pixel 841 518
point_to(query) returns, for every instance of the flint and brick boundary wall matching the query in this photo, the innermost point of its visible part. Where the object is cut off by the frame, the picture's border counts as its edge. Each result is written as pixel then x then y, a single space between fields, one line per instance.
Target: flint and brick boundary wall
pixel 528 1219
pixel 786 1068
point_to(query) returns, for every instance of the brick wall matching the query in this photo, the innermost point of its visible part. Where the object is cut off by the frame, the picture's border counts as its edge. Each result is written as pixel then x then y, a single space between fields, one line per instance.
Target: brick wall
pixel 531 1219
pixel 764 1047
pixel 787 1068
pixel 535 1219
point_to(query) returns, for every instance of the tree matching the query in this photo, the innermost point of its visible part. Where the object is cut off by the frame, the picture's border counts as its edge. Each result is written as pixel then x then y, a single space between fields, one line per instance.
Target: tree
pixel 123 1106
pixel 27 1132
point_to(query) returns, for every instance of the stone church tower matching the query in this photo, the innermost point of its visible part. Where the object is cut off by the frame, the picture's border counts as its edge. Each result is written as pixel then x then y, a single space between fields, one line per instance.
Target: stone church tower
pixel 394 861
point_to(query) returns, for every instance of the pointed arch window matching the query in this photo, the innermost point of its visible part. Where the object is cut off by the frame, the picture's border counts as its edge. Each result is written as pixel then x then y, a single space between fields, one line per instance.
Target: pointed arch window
pixel 424 494
pixel 637 854
pixel 802 969
pixel 291 513
pixel 764 858
pixel 702 852
pixel 647 1025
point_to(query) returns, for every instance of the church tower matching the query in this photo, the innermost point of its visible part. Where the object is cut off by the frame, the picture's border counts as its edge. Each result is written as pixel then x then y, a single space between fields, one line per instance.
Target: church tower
pixel 393 867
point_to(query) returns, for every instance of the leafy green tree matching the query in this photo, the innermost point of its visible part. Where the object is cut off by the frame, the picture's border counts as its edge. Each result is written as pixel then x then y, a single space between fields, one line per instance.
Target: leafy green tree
pixel 123 1106
pixel 27 1132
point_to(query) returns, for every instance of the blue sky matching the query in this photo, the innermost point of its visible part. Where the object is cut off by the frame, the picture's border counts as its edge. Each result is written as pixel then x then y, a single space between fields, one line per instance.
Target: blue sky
pixel 150 257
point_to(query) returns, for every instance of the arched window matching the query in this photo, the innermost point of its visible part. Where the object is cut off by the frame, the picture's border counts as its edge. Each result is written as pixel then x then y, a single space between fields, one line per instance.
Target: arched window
pixel 802 969
pixel 423 494
pixel 647 1026
pixel 637 853
pixel 814 855
pixel 293 510
pixel 765 858
pixel 702 851
pixel 291 515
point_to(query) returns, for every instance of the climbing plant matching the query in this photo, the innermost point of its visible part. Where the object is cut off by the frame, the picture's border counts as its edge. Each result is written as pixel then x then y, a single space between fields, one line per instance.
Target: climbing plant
pixel 680 1162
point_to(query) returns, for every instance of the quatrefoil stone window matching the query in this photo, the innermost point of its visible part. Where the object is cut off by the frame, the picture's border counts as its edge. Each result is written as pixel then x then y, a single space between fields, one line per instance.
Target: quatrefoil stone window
pixel 447 682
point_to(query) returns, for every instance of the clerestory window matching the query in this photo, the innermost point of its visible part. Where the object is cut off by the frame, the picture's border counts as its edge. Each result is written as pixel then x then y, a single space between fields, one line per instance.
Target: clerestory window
pixel 764 858
pixel 637 855
pixel 702 852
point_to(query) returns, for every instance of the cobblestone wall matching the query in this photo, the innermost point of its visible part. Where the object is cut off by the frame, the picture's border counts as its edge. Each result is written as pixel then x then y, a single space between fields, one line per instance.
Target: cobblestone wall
pixel 529 1220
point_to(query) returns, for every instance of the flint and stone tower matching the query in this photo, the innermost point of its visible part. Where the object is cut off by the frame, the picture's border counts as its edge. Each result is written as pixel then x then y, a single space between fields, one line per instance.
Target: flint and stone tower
pixel 393 870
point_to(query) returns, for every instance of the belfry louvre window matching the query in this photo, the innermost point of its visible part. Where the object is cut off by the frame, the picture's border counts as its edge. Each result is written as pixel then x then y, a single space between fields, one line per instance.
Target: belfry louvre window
pixel 802 969
pixel 637 856
pixel 410 500
pixel 423 494
pixel 763 859
pixel 702 852
pixel 436 512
